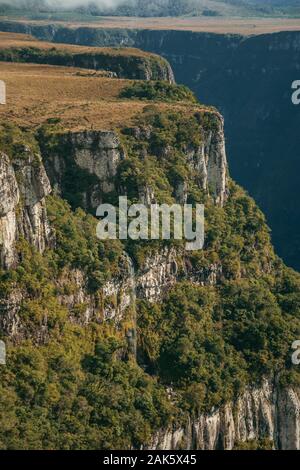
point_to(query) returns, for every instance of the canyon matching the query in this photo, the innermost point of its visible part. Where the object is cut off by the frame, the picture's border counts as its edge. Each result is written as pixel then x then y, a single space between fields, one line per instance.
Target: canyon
pixel 249 79
pixel 194 349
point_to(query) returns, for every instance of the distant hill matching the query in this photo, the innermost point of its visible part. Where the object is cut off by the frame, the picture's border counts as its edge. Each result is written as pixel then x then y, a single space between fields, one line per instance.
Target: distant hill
pixel 76 9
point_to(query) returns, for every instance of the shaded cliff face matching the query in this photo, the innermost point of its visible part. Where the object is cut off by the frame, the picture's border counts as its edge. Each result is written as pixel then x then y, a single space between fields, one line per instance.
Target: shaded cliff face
pixel 83 166
pixel 249 79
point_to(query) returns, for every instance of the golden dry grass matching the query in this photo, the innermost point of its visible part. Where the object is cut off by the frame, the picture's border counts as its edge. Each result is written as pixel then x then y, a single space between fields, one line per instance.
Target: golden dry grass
pixel 245 26
pixel 36 93
pixel 14 40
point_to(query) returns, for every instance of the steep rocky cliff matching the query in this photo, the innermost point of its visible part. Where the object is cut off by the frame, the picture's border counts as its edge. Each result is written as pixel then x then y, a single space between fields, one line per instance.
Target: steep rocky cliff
pixel 119 62
pixel 93 154
pixel 261 121
pixel 130 344
pixel 98 155
pixel 24 186
pixel 267 413
pixel 249 79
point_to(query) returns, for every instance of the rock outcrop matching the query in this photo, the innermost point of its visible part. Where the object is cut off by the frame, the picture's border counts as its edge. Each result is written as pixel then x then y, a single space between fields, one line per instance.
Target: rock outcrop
pixel 9 199
pixel 119 294
pixel 90 159
pixel 24 185
pixel 130 64
pixel 34 186
pixel 157 276
pixel 267 412
pixel 209 161
pixel 93 157
pixel 112 301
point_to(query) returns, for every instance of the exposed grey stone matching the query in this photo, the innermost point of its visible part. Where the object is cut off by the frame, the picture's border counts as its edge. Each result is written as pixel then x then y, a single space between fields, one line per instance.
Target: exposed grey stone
pixel 261 412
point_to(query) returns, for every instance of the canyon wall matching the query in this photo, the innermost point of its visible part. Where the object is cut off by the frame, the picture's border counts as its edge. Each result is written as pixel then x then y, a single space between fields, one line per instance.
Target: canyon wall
pixel 85 169
pixel 24 179
pixel 249 79
pixel 266 413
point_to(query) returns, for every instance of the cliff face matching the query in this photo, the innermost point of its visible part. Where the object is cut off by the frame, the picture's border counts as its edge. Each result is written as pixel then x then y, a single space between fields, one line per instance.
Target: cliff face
pixel 166 335
pixel 269 412
pixel 260 119
pixel 118 63
pixel 24 186
pixel 266 413
pixel 84 165
pixel 97 155
pixel 10 198
pixel 222 69
pixel 83 169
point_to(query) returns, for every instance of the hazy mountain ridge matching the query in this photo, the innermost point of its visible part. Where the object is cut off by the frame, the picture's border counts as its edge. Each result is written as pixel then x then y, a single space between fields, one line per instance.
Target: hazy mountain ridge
pixel 153 8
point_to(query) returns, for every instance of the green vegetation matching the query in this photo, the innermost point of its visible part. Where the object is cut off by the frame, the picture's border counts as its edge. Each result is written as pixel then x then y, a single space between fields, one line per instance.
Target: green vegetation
pixel 51 56
pixel 157 156
pixel 75 393
pixel 212 342
pixel 262 444
pixel 13 140
pixel 78 247
pixel 125 63
pixel 66 386
pixel 158 91
pixel 73 385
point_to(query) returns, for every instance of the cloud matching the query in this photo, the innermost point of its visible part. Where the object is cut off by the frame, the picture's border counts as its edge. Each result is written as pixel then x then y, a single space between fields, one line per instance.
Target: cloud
pixel 64 4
